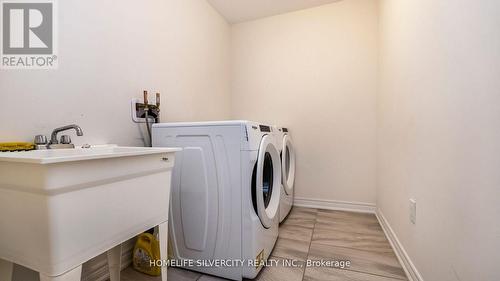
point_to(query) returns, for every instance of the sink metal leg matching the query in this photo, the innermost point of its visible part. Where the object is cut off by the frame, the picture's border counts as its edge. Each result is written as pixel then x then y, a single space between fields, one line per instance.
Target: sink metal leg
pixel 6 268
pixel 115 263
pixel 163 236
pixel 73 275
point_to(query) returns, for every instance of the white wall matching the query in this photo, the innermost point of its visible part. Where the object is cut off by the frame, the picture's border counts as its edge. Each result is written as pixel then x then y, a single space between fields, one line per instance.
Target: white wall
pixel 439 136
pixel 109 52
pixel 314 71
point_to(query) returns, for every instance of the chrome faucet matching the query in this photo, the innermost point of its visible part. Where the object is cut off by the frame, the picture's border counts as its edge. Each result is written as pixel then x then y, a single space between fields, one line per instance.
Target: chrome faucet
pixel 41 140
pixel 53 137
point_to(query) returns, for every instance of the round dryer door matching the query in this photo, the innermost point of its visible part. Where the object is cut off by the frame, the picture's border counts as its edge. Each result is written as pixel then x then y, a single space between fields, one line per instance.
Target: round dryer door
pixel 288 165
pixel 267 182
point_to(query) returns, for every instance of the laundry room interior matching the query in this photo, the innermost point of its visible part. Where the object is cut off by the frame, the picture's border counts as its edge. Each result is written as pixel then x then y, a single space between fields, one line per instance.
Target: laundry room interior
pixel 290 140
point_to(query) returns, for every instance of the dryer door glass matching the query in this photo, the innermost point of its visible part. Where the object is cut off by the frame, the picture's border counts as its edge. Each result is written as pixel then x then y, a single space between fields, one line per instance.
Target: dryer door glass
pixel 287 162
pixel 288 165
pixel 265 182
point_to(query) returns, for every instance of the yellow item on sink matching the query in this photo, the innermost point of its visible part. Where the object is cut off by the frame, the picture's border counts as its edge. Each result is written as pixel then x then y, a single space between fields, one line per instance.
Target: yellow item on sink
pixel 147 248
pixel 16 146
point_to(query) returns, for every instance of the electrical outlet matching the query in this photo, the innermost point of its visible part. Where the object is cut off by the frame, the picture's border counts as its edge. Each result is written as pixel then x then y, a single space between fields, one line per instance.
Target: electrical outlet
pixel 413 211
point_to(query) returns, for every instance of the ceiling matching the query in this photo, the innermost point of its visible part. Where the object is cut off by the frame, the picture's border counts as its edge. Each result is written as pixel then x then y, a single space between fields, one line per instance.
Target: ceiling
pixel 243 10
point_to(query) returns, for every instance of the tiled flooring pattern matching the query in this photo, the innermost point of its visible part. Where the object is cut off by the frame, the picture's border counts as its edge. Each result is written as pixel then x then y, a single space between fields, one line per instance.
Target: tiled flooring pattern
pixel 312 234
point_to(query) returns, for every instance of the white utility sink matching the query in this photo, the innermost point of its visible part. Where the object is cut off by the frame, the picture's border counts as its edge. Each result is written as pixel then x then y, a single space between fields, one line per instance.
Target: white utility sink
pixel 60 208
pixel 49 156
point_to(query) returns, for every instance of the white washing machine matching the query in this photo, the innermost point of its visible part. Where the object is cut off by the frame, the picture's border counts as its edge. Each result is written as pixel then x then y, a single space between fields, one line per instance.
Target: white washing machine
pixel 225 195
pixel 287 155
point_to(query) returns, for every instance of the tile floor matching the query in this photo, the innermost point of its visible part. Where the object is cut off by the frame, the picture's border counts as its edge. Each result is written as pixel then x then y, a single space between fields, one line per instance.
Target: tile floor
pixel 313 234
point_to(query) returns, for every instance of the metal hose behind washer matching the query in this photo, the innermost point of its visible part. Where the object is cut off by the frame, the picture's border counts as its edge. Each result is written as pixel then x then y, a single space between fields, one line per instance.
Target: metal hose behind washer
pixel 146 115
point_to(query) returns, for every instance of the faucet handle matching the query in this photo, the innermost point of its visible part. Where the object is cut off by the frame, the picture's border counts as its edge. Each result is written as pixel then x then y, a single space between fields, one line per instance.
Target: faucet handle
pixel 65 139
pixel 40 140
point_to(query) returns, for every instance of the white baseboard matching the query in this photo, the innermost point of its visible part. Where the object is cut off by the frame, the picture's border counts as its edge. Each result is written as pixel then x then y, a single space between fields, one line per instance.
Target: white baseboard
pixel 408 266
pixel 334 205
